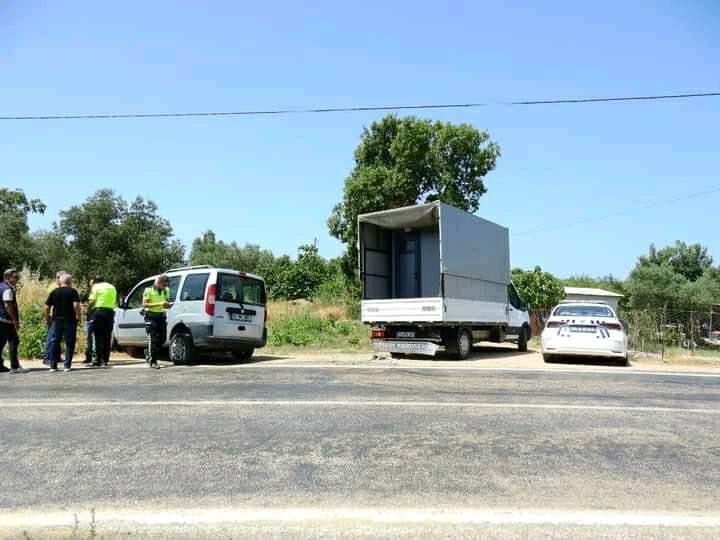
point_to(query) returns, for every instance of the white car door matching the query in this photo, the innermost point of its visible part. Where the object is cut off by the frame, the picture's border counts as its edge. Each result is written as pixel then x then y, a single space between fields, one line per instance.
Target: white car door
pixel 129 322
pixel 239 307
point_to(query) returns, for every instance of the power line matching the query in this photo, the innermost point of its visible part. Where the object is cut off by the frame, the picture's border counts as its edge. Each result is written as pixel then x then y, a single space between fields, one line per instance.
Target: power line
pixel 271 112
pixel 619 213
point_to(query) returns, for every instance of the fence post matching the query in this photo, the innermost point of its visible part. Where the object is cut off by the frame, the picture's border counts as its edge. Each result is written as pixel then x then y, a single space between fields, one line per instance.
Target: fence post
pixel 662 334
pixel 692 333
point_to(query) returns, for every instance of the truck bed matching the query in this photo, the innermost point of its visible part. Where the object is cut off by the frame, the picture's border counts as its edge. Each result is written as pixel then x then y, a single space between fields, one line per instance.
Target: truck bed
pixel 434 310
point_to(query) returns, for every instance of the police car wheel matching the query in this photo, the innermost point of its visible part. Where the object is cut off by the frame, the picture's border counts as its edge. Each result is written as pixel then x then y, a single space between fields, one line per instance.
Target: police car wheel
pixel 181 349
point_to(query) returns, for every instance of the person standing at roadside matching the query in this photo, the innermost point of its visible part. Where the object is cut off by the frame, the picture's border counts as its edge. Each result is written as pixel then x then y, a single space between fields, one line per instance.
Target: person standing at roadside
pixel 10 321
pixel 62 311
pixel 102 302
pixel 89 334
pixel 156 301
pixel 46 353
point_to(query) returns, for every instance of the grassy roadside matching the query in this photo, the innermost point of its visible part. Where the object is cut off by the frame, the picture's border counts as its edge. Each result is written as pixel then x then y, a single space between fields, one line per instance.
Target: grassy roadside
pixel 314 325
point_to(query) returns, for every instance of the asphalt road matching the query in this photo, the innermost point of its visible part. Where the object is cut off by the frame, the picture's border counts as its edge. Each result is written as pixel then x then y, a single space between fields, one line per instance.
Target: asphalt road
pixel 274 450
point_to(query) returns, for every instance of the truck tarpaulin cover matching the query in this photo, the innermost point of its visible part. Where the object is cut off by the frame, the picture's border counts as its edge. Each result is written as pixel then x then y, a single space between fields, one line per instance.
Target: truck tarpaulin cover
pixel 410 217
pixel 470 247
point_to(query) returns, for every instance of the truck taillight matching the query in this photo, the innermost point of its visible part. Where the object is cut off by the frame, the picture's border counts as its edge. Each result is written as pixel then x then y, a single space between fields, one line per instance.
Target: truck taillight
pixel 210 300
pixel 377 333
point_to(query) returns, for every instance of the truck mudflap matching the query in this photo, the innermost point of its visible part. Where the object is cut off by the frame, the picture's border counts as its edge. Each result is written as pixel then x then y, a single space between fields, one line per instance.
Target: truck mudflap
pixel 406 347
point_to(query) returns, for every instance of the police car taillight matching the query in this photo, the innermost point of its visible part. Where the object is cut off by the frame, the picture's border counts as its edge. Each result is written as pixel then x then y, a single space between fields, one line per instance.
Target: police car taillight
pixel 210 300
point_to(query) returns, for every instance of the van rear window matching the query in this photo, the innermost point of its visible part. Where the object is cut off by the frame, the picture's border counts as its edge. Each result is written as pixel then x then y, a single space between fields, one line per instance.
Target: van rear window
pixel 240 290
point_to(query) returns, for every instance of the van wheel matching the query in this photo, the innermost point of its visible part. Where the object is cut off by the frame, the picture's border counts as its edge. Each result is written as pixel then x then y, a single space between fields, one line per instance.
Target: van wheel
pixel 523 340
pixel 242 355
pixel 463 348
pixel 181 350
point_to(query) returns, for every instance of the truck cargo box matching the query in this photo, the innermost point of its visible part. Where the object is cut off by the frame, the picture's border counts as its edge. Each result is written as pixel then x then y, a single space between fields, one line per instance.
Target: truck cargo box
pixel 433 263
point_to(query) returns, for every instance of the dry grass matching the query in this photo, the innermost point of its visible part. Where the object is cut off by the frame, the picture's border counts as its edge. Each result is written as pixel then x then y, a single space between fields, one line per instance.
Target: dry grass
pixel 32 291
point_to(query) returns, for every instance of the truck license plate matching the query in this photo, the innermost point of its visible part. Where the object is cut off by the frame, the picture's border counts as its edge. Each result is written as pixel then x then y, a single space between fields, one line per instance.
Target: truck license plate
pixel 405 335
pixel 405 347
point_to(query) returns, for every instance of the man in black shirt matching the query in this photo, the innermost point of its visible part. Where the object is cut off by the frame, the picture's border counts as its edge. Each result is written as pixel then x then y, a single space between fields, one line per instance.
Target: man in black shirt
pixel 62 311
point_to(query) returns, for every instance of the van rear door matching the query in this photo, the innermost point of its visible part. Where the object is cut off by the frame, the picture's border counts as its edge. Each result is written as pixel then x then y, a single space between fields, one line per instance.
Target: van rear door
pixel 239 307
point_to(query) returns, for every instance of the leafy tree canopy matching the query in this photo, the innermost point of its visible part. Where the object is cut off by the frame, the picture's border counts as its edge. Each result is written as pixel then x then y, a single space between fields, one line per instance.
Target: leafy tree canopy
pixel 539 289
pixel 403 161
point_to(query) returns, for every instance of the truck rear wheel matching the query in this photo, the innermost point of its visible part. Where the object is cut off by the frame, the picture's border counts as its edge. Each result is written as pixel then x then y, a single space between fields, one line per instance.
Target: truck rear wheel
pixel 523 340
pixel 464 342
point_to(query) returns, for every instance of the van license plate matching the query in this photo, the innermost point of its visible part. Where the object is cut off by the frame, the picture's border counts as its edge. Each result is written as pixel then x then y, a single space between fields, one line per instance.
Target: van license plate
pixel 239 317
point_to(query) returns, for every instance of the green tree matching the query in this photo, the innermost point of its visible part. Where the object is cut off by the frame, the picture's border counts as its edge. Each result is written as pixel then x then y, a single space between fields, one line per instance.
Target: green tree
pixel 539 289
pixel 124 242
pixel 689 261
pixel 250 258
pixel 403 161
pixel 16 248
pixel 655 286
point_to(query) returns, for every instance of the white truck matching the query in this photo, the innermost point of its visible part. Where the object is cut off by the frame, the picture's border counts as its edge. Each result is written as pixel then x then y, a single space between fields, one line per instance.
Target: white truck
pixel 437 279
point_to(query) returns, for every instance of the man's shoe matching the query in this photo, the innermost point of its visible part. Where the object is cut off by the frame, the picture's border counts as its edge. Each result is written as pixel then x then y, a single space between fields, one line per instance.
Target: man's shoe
pixel 154 365
pixel 67 369
pixel 94 364
pixel 4 369
pixel 20 370
pixel 87 361
pixel 52 369
pixel 105 365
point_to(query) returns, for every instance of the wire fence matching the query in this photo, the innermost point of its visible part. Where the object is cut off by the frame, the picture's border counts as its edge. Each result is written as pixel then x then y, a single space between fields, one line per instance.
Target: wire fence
pixel 662 331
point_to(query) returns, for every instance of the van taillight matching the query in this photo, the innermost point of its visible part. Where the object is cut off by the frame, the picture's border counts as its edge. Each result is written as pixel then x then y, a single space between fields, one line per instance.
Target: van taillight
pixel 210 300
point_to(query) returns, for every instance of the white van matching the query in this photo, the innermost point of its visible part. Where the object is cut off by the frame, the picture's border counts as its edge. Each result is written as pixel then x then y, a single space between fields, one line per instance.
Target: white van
pixel 212 309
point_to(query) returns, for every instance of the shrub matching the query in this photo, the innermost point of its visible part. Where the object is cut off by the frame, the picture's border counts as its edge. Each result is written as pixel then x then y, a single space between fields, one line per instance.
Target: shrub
pixel 303 328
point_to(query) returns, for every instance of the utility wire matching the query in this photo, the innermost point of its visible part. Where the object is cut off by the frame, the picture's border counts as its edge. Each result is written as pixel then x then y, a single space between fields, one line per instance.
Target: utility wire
pixel 619 213
pixel 270 112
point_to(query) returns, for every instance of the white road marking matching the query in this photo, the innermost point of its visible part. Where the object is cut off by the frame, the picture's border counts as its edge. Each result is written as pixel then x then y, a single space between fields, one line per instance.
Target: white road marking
pixel 608 371
pixel 167 517
pixel 40 403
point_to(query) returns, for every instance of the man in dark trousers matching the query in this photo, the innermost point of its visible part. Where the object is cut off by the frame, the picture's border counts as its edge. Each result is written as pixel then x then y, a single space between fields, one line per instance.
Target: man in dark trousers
pixel 102 303
pixel 62 311
pixel 89 334
pixel 10 321
pixel 156 301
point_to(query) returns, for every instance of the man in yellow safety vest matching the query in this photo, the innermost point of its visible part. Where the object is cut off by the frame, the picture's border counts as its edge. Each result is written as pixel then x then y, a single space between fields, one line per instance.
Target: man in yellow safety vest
pixel 156 301
pixel 101 304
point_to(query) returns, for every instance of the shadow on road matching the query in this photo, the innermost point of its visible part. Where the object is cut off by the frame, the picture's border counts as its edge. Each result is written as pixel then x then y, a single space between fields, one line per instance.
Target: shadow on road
pixel 589 361
pixel 228 360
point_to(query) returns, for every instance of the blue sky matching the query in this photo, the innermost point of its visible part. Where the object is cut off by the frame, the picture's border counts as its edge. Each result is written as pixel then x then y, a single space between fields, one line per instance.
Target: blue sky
pixel 274 180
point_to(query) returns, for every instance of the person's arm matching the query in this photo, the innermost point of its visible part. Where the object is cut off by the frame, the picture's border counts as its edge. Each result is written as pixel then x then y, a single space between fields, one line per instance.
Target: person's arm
pixel 48 306
pixel 92 298
pixel 8 298
pixel 76 305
